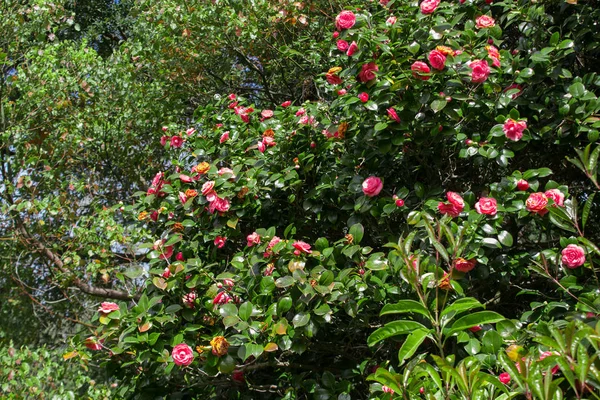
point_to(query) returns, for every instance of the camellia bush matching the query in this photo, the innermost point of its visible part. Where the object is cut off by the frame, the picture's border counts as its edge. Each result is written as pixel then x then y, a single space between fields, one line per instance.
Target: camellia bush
pixel 426 229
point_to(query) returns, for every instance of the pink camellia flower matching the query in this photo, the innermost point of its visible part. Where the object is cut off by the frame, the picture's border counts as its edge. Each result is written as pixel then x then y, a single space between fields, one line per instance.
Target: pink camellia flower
pixel 545 354
pixel 179 256
pixel 165 252
pixel 364 97
pixel 522 184
pixel 164 139
pixel 222 298
pixel 164 128
pixel 189 299
pixel 387 389
pixel 226 170
pixel 253 238
pixel 462 265
pixel 166 273
pixel 219 204
pixel 504 378
pixel 307 120
pixel 557 196
pixel 207 188
pixel 536 203
pixel 182 355
pixel 92 343
pixel 335 35
pixel 429 6
pixel 269 141
pixel 367 72
pixel 391 20
pixel 340 92
pixel 273 242
pixel 449 209
pixel 107 307
pixel 261 147
pixel 234 106
pixel 418 69
pixel 384 2
pixel 185 178
pixel 220 241
pixel 476 328
pixel 176 142
pixel 300 112
pixel 266 114
pixel 437 59
pixel 485 21
pixel 301 247
pixel 342 45
pixel 481 71
pixel 190 131
pixel 487 206
pixel 573 256
pixel 182 198
pixel 224 137
pixel 226 282
pixel 456 199
pixel 232 96
pixel 372 186
pixel 286 103
pixel 391 112
pixel 345 20
pixel 494 54
pixel 514 129
pixel 269 270
pixel 352 49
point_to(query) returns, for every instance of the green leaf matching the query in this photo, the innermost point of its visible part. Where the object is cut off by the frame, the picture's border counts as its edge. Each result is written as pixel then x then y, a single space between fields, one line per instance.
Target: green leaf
pixel 505 238
pixel 285 281
pixel 380 126
pixel 404 306
pixel 393 329
pixel 526 73
pixel 371 105
pixel 384 377
pixel 357 231
pixel 246 311
pixel 438 105
pixel 411 344
pixel 300 319
pixel 586 209
pixel 471 320
pixel 577 89
pixel 460 305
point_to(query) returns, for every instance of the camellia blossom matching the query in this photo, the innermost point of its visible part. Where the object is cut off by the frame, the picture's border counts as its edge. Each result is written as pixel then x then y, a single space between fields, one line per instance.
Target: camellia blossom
pixel 367 72
pixel 224 137
pixel 252 239
pixel 494 54
pixel 387 389
pixel 165 252
pixel 226 170
pixel 391 20
pixel 182 355
pixel 456 200
pixel 437 59
pixel 286 103
pixel 364 97
pixel 522 184
pixel 92 343
pixel 504 378
pixel 266 114
pixel 487 206
pixel 475 328
pixel 190 131
pixel 222 298
pixel 352 49
pixel 391 112
pixel 536 203
pixel 545 354
pixel 189 299
pixel 481 71
pixel 345 20
pixel 342 45
pixel 220 205
pixel 462 265
pixel 261 147
pixel 557 196
pixel 176 142
pixel 429 6
pixel 107 307
pixel 419 68
pixel 573 256
pixel 219 346
pixel 485 21
pixel 372 186
pixel 301 247
pixel 220 241
pixel 514 129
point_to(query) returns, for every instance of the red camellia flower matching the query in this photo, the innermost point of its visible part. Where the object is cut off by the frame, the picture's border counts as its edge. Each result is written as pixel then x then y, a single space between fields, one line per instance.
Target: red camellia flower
pixel 514 129
pixel 522 184
pixel 429 6
pixel 182 354
pixel 301 247
pixel 340 92
pixel 166 273
pixel 222 298
pixel 253 238
pixel 399 203
pixel 481 71
pixel 372 186
pixel 353 48
pixel 364 97
pixel 573 256
pixel 164 139
pixel 487 206
pixel 504 378
pixel 333 79
pixel 437 59
pixel 345 20
pixel 224 137
pixel 391 112
pixel 220 241
pixel 335 34
pixel 176 142
pixel 92 343
pixel 179 256
pixel 485 21
pixel 557 196
pixel 418 69
pixel 476 328
pixel 342 45
pixel 107 307
pixel 238 376
pixel 536 203
pixel 286 103
pixel 165 252
pixel 367 72
pixel 463 265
